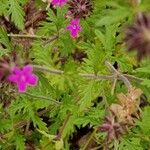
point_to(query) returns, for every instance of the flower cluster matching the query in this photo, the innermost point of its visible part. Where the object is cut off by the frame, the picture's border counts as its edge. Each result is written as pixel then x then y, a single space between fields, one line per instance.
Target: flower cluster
pixel 138 36
pixel 10 71
pixel 74 27
pixel 23 77
pixel 76 7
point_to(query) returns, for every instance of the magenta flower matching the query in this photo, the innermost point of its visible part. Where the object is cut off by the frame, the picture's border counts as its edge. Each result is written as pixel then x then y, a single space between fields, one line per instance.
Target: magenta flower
pixel 74 27
pixel 58 2
pixel 23 78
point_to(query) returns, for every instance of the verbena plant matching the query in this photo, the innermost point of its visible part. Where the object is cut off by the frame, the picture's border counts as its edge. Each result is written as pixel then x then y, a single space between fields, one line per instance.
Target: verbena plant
pixel 67 79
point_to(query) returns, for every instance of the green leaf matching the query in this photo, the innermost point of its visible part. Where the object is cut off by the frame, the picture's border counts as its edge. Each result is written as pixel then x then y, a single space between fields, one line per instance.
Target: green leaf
pixel 101 36
pixel 146 83
pixel 144 124
pixel 69 127
pixel 130 144
pixel 59 145
pixel 114 16
pixel 3 7
pixel 17 13
pixel 107 39
pixel 5 125
pixel 4 39
pixel 88 93
pixel 145 70
pixel 39 123
pixel 92 117
pixel 50 137
pixel 19 141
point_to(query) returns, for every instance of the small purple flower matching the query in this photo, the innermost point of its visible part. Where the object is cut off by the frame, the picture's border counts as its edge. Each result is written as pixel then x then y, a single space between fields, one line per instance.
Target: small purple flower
pixel 59 2
pixel 74 27
pixel 23 78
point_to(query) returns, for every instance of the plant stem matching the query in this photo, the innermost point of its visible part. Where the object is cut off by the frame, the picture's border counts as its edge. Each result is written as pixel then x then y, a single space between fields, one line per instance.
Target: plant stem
pixel 27 36
pixel 59 72
pixel 120 76
pixel 89 140
pixel 45 69
pixel 96 148
pixel 59 136
pixel 99 77
pixel 90 76
pixel 32 36
pixel 116 75
pixel 42 97
pixel 113 86
pixel 131 77
pixel 27 128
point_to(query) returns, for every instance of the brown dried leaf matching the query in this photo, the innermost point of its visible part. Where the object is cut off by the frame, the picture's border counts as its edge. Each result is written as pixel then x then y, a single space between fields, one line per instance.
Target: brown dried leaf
pixel 129 102
pixel 128 106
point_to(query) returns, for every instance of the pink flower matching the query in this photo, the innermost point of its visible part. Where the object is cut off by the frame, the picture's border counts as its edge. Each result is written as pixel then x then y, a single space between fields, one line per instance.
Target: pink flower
pixel 59 2
pixel 74 27
pixel 23 77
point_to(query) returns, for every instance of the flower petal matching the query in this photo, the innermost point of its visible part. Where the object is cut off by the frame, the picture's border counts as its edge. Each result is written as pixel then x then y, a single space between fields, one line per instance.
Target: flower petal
pixel 69 27
pixel 77 21
pixel 58 2
pixel 17 71
pixel 13 78
pixel 32 80
pixel 27 69
pixel 21 86
pixel 74 34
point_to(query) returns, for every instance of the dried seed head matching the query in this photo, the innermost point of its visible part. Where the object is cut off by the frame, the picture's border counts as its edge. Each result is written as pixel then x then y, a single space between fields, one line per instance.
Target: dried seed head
pixel 138 36
pixel 113 128
pixel 129 102
pixel 128 106
pixel 79 8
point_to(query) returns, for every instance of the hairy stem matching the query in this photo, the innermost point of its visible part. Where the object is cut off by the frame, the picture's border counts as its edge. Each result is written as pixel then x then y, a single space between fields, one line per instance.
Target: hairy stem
pixel 59 72
pixel 114 77
pixel 131 77
pixel 88 76
pixel 98 77
pixel 32 36
pixel 45 69
pixel 42 97
pixel 113 86
pixel 120 75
